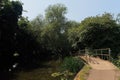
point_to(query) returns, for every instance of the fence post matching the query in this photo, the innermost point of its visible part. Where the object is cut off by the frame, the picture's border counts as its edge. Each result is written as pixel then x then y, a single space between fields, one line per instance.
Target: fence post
pixel 96 52
pixel 109 53
pixel 86 54
pixel 102 55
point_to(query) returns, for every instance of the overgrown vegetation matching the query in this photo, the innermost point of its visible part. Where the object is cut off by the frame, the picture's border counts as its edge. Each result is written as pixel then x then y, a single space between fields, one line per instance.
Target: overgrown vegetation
pixel 116 62
pixel 69 68
pixel 72 64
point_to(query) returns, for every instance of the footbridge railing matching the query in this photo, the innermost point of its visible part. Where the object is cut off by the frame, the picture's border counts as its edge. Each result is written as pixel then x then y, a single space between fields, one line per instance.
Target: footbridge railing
pixel 102 53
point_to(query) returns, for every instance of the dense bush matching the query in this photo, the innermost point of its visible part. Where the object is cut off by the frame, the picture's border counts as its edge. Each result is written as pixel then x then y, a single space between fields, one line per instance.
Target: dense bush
pixel 72 64
pixel 116 63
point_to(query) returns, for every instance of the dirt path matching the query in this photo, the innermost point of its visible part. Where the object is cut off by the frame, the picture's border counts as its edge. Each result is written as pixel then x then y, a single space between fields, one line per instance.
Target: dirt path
pixel 102 75
pixel 102 70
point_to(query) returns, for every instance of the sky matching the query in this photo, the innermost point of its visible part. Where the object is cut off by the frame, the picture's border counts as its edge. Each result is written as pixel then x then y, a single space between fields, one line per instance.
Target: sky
pixel 77 10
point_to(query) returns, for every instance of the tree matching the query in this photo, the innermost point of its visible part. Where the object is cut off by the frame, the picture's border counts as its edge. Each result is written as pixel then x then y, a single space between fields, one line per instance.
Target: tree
pixel 118 19
pixel 99 32
pixel 72 33
pixel 56 13
pixel 37 25
pixel 9 15
pixel 26 43
pixel 54 35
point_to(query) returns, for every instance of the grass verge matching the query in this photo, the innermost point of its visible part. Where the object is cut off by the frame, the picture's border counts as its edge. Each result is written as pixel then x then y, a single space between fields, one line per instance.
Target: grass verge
pixel 84 72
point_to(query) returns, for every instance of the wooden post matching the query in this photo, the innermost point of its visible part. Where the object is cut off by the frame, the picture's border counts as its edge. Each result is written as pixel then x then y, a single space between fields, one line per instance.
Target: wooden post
pixel 101 54
pixel 109 53
pixel 96 53
pixel 87 54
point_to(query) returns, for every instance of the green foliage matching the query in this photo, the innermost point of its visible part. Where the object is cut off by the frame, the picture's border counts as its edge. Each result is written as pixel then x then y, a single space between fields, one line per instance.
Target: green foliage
pixel 55 13
pixel 27 44
pixel 10 11
pixel 38 23
pixel 116 62
pixel 94 28
pixel 73 31
pixel 72 64
pixel 96 32
pixel 54 34
pixel 24 24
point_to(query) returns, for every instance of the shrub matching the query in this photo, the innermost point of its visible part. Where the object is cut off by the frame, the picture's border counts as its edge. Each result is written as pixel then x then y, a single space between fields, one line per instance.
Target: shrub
pixel 116 63
pixel 72 64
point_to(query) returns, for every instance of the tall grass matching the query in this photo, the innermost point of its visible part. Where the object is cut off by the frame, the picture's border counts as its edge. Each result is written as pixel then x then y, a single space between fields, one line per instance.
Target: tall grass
pixel 72 64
